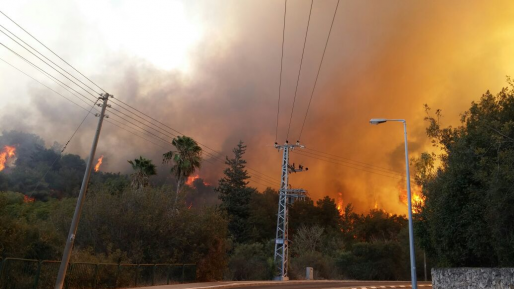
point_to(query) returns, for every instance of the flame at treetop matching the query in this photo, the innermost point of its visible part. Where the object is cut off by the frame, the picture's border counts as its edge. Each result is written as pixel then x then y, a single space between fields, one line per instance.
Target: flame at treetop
pixel 191 179
pixel 339 203
pixel 7 153
pixel 99 163
pixel 418 199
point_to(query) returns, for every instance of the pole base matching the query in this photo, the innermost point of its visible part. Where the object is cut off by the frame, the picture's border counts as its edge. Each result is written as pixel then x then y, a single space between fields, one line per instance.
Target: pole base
pixel 280 278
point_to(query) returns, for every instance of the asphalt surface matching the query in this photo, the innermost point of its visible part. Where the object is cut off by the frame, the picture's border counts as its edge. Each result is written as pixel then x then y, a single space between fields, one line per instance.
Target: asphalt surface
pixel 294 285
pixel 335 284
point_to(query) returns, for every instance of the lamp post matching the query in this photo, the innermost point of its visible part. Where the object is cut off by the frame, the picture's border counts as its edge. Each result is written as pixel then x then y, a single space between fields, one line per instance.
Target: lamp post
pixel 377 121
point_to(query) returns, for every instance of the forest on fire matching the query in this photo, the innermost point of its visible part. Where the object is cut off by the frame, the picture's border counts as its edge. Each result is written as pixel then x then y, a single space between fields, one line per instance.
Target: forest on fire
pixel 137 224
pixel 228 230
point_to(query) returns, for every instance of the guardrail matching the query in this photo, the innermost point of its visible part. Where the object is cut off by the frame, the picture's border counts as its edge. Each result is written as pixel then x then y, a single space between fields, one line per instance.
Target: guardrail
pixel 18 273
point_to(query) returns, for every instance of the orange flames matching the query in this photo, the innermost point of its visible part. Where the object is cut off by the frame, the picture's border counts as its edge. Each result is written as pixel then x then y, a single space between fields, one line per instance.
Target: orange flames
pixel 418 199
pixel 99 163
pixel 7 153
pixel 191 179
pixel 339 203
pixel 27 199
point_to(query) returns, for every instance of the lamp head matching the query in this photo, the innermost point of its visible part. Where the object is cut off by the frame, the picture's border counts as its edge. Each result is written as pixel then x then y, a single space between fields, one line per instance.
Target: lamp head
pixel 377 121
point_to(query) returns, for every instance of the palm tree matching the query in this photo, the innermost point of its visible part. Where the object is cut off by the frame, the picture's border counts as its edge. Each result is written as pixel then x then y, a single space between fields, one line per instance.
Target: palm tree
pixel 143 170
pixel 186 159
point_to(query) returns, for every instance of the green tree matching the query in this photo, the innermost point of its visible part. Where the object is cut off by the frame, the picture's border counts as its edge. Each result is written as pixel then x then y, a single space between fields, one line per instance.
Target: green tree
pixel 235 195
pixel 143 170
pixel 467 218
pixel 186 159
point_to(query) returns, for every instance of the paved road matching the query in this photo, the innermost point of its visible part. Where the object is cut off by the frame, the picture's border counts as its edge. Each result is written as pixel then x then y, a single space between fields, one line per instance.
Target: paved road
pixel 335 284
pixel 296 285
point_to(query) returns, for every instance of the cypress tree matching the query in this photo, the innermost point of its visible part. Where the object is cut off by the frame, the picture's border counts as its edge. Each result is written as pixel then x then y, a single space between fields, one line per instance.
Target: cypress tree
pixel 235 195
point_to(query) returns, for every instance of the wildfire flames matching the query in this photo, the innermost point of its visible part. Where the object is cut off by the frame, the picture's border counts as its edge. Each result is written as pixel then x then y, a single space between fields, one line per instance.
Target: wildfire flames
pixel 191 179
pixel 7 153
pixel 99 163
pixel 418 199
pixel 27 199
pixel 340 203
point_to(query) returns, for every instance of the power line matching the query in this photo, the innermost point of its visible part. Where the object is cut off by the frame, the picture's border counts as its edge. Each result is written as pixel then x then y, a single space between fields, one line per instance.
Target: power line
pixel 359 163
pixel 87 91
pixel 65 85
pixel 281 64
pixel 390 175
pixel 319 68
pixel 109 121
pixel 42 84
pixel 117 100
pixel 64 147
pixel 300 69
pixel 42 56
pixel 51 51
pixel 43 71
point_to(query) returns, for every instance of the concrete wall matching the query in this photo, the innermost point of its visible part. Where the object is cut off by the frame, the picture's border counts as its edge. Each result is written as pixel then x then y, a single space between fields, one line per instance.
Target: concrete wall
pixel 470 278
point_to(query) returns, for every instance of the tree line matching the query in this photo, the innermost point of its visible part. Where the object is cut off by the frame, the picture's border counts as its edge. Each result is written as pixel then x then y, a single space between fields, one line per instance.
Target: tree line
pixel 229 229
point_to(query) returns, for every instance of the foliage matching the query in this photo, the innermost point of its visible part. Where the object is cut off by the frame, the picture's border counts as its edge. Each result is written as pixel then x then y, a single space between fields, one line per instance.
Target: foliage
pixel 262 220
pixel 372 261
pixel 143 170
pixel 232 237
pixel 467 219
pixel 250 261
pixel 186 160
pixel 235 195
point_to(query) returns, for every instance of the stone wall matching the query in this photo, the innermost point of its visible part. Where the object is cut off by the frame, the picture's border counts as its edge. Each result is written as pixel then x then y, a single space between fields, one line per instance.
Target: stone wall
pixel 470 278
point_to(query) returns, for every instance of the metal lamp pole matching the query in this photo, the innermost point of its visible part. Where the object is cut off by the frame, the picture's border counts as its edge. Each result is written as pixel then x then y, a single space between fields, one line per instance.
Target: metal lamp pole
pixel 414 280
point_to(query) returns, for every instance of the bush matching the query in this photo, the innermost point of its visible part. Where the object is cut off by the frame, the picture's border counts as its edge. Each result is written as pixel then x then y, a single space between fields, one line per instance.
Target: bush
pixel 324 266
pixel 372 261
pixel 250 262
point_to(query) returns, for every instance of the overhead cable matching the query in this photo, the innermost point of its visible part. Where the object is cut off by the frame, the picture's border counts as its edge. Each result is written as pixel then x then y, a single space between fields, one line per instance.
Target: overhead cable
pixel 299 70
pixel 319 68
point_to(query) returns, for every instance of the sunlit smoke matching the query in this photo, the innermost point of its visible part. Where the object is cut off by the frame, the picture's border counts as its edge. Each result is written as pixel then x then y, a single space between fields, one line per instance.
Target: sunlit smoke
pixel 7 154
pixel 99 163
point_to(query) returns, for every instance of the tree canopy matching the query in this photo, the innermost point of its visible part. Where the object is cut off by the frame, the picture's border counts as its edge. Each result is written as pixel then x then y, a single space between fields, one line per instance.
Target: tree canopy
pixel 467 218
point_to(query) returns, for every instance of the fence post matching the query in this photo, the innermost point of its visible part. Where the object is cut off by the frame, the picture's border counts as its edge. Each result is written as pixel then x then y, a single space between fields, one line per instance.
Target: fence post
pixel 167 277
pixel 153 274
pixel 36 278
pixel 95 281
pixel 137 274
pixel 67 280
pixel 183 268
pixel 118 270
pixel 2 261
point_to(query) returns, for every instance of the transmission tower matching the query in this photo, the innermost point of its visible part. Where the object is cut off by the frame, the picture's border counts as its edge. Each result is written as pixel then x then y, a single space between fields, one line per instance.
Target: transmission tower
pixel 286 196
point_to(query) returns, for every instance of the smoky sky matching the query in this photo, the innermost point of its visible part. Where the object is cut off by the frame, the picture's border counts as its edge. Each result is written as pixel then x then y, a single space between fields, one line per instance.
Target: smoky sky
pixel 384 59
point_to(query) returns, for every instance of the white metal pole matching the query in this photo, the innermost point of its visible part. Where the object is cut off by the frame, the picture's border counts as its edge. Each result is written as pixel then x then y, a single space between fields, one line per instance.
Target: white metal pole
pixel 409 200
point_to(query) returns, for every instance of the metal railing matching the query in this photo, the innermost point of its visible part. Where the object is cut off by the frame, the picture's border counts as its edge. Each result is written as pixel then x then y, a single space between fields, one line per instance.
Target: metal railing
pixel 18 273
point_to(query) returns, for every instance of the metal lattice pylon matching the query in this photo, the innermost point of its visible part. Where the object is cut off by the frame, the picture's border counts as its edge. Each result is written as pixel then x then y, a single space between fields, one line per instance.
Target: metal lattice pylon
pixel 286 196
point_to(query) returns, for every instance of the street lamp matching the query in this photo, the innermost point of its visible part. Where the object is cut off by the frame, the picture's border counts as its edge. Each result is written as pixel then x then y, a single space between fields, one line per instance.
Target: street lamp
pixel 377 121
